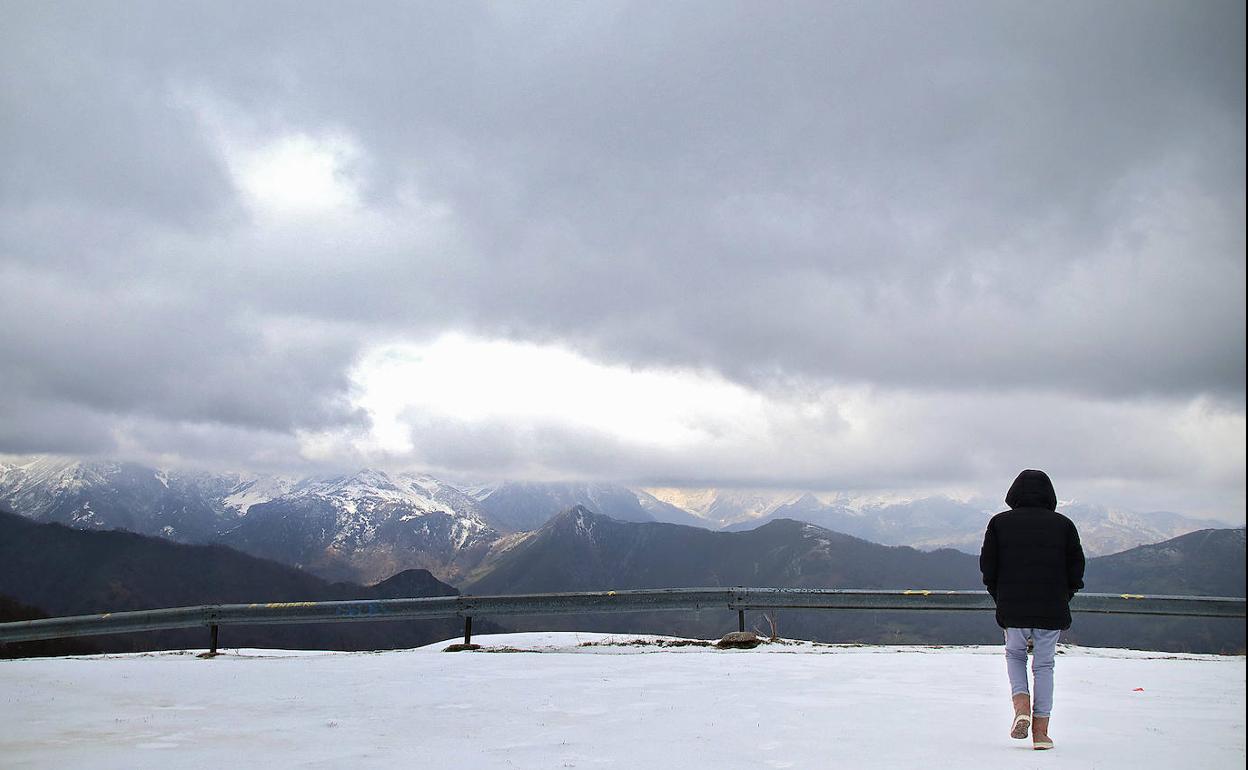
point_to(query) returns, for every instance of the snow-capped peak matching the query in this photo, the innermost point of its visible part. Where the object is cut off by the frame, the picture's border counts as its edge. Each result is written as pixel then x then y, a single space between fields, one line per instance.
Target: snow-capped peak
pixel 260 489
pixel 370 490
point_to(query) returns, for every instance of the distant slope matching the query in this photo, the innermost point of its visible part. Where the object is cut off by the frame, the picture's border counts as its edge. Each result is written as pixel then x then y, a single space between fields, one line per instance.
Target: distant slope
pixel 366 526
pixel 667 513
pixel 724 508
pixel 361 527
pixel 1209 562
pixel 942 522
pixel 64 571
pixel 1206 563
pixel 184 507
pixel 580 550
pixel 515 506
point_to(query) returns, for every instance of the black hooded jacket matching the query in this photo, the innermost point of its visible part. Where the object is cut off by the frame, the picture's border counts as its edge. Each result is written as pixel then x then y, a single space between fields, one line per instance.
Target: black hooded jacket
pixel 1032 562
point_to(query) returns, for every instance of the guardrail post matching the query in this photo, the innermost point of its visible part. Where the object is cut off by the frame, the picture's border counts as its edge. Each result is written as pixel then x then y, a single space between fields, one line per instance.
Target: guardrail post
pixel 740 620
pixel 212 638
pixel 467 629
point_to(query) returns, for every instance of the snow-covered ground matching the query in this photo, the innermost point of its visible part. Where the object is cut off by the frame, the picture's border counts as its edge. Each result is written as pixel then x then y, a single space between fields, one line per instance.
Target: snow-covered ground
pixel 793 705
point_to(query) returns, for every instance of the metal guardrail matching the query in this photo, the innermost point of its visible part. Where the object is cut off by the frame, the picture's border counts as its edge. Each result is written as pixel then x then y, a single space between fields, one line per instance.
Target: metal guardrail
pixel 655 600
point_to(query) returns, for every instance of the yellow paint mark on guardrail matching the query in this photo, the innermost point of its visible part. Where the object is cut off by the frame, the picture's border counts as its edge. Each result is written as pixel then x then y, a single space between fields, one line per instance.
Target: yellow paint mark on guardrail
pixel 610 593
pixel 280 605
pixel 1131 596
pixel 916 593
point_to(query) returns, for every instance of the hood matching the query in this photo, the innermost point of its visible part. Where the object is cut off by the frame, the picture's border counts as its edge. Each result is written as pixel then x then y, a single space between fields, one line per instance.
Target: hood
pixel 1032 489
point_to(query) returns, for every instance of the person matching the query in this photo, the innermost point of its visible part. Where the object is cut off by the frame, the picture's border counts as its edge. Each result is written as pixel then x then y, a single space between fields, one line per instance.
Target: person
pixel 1032 565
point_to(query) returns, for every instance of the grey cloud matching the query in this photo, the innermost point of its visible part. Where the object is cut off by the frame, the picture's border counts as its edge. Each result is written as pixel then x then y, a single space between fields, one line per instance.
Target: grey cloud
pixel 56 427
pixel 135 351
pixel 205 445
pixel 29 424
pixel 952 197
pixel 84 123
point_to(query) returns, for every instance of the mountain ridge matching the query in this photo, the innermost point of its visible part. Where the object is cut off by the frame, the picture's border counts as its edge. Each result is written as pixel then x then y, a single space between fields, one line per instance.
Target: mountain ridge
pixel 579 550
pixel 367 525
pixel 61 571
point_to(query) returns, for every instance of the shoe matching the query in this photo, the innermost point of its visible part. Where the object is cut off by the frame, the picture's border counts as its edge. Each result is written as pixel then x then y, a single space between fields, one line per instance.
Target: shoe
pixel 1022 723
pixel 1040 740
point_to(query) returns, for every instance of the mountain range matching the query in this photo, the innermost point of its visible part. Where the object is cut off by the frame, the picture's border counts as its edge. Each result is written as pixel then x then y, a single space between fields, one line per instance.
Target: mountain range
pixel 61 570
pixel 579 550
pixel 365 526
pixel 56 570
pixel 941 522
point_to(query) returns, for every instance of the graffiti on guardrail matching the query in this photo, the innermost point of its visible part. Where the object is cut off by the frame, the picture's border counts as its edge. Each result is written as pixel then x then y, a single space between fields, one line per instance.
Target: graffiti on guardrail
pixel 360 610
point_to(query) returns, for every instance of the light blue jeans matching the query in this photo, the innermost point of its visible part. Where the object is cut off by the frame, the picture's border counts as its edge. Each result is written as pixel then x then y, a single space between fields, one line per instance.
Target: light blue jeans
pixel 1044 648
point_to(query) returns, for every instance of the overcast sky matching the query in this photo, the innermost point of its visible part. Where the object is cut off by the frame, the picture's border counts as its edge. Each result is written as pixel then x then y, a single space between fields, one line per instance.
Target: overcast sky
pixel 867 245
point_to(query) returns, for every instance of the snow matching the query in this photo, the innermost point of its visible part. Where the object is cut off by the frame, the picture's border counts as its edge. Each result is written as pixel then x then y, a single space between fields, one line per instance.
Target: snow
pixel 464 530
pixel 253 491
pixel 584 527
pixel 564 705
pixel 84 513
pixel 369 490
pixel 34 484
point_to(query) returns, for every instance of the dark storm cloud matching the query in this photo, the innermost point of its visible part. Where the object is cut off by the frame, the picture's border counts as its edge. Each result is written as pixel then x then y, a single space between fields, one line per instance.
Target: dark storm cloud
pixel 928 196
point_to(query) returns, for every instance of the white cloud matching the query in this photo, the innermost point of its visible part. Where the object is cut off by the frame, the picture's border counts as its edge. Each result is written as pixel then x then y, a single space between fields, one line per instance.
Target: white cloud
pixel 476 380
pixel 280 171
pixel 298 175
